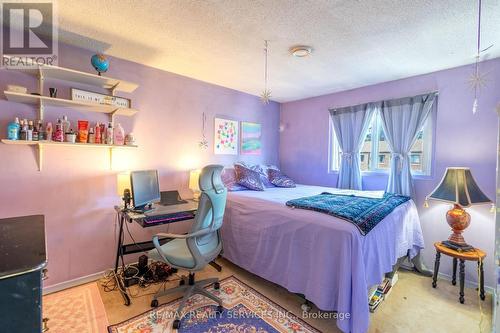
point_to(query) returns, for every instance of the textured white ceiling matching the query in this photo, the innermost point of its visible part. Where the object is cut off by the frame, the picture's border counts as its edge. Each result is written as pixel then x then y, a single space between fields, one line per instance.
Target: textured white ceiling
pixel 356 42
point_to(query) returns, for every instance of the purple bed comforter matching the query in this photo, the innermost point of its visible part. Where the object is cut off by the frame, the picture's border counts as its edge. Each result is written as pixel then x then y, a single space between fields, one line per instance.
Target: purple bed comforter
pixel 315 254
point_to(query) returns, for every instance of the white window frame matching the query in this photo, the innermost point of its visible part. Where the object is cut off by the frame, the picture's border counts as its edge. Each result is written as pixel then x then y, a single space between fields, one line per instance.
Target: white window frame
pixel 427 157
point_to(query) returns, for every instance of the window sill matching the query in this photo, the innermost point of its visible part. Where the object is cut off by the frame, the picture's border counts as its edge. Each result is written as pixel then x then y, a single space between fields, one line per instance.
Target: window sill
pixel 381 173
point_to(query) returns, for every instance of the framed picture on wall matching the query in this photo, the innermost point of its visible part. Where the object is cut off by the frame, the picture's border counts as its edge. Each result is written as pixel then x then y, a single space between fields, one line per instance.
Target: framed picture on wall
pixel 251 143
pixel 225 137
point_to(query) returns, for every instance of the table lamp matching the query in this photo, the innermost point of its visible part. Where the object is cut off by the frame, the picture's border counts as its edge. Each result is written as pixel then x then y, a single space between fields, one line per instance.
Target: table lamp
pixel 194 177
pixel 123 187
pixel 459 188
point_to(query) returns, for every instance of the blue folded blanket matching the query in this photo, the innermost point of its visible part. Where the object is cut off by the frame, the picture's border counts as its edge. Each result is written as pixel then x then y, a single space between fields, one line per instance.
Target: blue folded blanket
pixel 364 213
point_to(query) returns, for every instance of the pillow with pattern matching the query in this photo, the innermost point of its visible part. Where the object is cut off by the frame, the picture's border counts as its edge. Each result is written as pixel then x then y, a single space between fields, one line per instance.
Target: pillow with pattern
pixel 279 179
pixel 262 170
pixel 248 178
pixel 228 176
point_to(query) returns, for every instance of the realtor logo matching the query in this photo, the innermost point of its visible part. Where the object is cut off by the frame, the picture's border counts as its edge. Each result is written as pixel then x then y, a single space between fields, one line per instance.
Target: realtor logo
pixel 29 35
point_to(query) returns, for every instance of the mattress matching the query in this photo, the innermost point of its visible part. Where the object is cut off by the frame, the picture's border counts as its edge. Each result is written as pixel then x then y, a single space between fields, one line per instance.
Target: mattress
pixel 315 254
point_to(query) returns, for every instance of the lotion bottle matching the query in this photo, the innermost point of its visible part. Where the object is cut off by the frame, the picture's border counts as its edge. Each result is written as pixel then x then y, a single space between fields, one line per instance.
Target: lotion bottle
pixel 119 135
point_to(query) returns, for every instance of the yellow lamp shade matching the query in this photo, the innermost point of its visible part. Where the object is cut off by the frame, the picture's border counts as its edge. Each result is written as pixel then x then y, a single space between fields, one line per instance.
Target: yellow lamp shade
pixel 194 177
pixel 122 183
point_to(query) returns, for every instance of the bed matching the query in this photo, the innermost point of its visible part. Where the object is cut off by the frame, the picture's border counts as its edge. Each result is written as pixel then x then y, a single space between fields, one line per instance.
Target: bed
pixel 315 254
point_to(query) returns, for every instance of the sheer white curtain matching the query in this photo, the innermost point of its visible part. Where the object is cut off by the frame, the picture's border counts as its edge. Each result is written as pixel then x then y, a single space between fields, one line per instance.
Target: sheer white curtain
pixel 350 125
pixel 402 119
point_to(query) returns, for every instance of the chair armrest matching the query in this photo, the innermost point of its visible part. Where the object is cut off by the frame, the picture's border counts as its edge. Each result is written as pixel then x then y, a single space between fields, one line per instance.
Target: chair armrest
pixel 184 236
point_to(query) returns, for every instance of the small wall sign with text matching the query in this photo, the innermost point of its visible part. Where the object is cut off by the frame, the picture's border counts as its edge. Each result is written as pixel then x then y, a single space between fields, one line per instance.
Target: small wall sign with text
pixel 96 98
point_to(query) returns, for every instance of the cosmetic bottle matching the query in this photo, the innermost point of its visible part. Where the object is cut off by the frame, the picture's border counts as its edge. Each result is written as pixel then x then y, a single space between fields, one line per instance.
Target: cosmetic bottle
pixel 48 131
pixel 41 132
pixel 13 130
pixel 109 134
pixel 59 133
pixel 91 135
pixel 103 133
pixel 30 131
pixel 119 135
pixel 35 133
pixel 24 130
pixel 65 124
pixel 97 138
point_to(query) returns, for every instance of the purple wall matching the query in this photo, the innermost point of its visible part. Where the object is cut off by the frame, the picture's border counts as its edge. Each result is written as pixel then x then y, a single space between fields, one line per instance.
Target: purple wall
pixel 76 190
pixel 461 139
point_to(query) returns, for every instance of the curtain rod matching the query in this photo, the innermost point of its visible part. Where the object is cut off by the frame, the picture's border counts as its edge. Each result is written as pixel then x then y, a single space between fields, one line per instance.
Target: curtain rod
pixel 388 99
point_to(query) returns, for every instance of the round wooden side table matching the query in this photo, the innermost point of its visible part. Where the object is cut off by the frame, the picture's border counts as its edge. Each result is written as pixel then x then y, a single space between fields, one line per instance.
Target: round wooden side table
pixel 476 255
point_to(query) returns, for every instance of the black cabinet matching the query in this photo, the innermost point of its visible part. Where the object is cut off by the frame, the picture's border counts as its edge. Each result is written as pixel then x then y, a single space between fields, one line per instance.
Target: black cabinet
pixel 22 262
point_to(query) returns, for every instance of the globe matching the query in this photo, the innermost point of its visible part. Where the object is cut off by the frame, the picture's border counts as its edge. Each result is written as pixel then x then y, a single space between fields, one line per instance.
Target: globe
pixel 100 63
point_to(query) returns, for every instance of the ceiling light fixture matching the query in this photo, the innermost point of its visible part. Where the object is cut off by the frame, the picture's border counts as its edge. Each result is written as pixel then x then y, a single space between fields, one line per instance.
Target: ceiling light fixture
pixel 301 51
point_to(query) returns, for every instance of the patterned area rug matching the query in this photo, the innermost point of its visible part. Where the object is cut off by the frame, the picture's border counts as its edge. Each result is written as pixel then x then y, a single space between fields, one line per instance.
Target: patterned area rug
pixel 246 310
pixel 78 309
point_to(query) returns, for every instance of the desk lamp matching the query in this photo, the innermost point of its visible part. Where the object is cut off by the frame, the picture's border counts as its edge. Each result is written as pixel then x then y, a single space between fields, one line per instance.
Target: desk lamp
pixel 194 178
pixel 459 188
pixel 123 188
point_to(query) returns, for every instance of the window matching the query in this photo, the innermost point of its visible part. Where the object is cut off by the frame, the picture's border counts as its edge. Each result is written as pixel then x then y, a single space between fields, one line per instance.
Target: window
pixel 375 154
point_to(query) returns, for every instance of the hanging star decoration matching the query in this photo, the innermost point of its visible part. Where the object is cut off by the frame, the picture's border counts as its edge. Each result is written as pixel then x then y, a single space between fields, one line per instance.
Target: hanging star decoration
pixel 203 143
pixel 478 80
pixel 265 97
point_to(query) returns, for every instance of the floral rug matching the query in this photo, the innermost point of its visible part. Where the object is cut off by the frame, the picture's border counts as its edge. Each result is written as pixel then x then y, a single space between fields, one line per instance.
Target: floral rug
pixel 246 310
pixel 79 309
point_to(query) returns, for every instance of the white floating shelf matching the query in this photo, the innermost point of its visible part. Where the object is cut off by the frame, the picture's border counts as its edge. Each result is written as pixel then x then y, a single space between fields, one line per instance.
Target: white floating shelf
pixel 41 144
pixel 60 102
pixel 63 144
pixel 70 75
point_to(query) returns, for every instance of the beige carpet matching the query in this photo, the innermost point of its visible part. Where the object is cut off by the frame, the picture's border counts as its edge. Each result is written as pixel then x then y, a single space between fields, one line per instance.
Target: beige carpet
pixel 73 310
pixel 413 306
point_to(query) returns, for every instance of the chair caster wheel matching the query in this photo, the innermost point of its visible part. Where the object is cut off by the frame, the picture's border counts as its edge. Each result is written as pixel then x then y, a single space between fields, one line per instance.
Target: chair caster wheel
pixel 216 285
pixel 434 284
pixel 154 303
pixel 177 324
pixel 220 309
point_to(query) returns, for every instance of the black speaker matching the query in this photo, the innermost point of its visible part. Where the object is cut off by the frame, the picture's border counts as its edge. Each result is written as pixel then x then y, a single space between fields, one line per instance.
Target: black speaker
pixel 143 264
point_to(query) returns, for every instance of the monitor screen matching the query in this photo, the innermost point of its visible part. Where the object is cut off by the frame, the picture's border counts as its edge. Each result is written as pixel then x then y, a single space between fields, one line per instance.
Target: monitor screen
pixel 145 188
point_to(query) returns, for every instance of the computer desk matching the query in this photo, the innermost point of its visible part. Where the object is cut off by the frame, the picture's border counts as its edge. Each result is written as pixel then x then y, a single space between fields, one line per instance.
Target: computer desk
pixel 180 212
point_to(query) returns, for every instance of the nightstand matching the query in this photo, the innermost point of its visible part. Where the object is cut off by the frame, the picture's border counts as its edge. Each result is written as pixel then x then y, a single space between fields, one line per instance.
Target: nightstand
pixel 476 255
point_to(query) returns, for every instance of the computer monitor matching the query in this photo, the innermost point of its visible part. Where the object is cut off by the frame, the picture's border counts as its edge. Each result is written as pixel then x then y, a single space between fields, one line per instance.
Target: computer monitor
pixel 145 188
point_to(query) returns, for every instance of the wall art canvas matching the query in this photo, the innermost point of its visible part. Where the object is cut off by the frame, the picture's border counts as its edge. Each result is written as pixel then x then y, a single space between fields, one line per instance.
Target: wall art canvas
pixel 251 138
pixel 225 137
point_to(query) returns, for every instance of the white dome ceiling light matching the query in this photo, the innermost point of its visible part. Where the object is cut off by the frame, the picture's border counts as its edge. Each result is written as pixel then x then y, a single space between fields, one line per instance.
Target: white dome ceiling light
pixel 301 51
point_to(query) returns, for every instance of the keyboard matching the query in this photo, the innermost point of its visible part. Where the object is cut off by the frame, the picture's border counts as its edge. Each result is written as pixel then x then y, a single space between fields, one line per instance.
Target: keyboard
pixel 152 220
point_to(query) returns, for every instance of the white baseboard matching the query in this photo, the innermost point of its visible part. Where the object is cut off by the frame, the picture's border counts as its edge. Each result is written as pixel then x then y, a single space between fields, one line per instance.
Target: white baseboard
pixel 72 283
pixel 468 284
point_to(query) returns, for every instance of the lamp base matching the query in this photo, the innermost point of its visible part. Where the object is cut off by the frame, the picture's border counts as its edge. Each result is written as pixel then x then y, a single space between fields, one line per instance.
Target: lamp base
pixel 458 219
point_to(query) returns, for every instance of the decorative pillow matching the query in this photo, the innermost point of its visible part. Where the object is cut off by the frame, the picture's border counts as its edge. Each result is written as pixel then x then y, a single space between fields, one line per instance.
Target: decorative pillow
pixel 279 179
pixel 228 176
pixel 248 178
pixel 262 170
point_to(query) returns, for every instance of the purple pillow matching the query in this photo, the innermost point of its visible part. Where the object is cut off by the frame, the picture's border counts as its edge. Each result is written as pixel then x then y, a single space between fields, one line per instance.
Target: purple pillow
pixel 279 179
pixel 262 170
pixel 228 176
pixel 248 178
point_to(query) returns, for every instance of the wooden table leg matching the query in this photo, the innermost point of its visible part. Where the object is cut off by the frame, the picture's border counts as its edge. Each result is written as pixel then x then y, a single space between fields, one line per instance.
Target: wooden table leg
pixel 436 269
pixel 462 280
pixel 454 276
pixel 481 280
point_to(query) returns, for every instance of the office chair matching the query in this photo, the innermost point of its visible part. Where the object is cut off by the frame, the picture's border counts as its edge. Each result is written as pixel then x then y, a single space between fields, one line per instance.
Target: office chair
pixel 194 251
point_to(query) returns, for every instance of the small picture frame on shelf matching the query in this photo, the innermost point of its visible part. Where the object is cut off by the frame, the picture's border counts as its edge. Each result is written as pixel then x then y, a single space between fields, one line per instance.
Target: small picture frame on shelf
pixel 80 95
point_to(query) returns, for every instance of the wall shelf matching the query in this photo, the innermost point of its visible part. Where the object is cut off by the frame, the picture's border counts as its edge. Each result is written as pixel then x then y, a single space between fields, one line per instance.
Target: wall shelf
pixel 48 72
pixel 41 144
pixel 60 102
